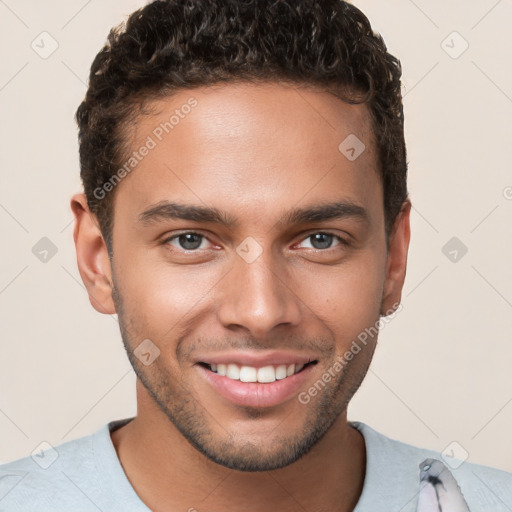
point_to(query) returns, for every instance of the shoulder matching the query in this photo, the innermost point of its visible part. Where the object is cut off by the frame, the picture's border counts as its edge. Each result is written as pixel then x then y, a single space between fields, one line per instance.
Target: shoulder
pixel 48 476
pixel 483 487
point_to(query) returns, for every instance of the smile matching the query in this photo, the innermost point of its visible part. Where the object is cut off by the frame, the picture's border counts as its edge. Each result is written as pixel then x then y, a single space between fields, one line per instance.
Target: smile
pixel 264 374
pixel 259 386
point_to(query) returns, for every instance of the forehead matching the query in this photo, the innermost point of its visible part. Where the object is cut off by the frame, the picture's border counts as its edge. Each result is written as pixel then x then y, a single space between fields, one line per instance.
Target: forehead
pixel 252 147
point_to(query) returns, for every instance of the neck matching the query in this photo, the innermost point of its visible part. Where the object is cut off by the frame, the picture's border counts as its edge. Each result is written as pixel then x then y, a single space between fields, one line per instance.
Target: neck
pixel 169 474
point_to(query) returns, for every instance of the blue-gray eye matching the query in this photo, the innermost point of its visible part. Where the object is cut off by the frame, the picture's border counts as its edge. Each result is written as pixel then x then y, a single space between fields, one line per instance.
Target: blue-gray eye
pixel 322 240
pixel 187 241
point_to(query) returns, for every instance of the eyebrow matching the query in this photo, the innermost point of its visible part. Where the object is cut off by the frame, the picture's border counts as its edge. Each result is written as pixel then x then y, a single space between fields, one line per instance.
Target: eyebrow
pixel 168 210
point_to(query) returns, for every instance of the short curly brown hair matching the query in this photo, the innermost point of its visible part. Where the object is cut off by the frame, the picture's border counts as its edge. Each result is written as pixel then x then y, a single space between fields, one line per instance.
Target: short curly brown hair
pixel 170 45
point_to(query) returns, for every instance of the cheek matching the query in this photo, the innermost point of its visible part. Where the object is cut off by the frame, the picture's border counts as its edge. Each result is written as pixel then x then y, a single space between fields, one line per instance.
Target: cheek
pixel 161 297
pixel 347 298
pixel 160 294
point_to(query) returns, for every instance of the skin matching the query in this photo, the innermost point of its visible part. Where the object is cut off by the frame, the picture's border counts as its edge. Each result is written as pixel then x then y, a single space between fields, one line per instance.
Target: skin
pixel 254 152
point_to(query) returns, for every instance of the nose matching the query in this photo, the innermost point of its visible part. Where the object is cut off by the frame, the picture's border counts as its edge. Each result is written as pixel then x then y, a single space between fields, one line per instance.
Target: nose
pixel 258 296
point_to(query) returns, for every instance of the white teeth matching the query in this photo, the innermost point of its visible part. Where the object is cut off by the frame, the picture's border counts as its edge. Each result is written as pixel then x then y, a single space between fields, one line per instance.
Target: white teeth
pixel 248 374
pixel 281 372
pixel 264 374
pixel 233 371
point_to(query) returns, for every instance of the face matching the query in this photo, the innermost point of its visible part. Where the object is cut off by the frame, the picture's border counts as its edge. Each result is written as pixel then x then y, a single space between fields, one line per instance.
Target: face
pixel 245 242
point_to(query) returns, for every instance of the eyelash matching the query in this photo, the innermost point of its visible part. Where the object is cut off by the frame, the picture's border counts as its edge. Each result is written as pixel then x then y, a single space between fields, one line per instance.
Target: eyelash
pixel 342 241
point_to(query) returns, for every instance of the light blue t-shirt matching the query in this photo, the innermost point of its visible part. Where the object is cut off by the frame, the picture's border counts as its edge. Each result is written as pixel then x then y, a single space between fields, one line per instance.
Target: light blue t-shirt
pixel 85 475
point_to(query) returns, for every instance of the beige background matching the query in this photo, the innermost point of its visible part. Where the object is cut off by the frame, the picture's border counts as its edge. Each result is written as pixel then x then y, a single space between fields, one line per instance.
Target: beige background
pixel 442 370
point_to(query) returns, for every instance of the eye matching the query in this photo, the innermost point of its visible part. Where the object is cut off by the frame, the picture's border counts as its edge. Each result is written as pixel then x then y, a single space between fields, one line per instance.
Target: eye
pixel 189 241
pixel 323 240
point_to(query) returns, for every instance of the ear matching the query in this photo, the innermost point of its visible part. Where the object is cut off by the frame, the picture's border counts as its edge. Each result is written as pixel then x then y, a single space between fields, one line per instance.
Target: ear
pixel 92 256
pixel 397 260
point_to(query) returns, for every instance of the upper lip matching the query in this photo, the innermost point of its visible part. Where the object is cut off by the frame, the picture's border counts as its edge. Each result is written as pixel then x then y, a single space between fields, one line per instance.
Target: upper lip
pixel 257 359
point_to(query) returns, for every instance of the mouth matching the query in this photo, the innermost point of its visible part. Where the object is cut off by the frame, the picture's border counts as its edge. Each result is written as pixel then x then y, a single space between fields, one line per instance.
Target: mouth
pixel 263 374
pixel 259 386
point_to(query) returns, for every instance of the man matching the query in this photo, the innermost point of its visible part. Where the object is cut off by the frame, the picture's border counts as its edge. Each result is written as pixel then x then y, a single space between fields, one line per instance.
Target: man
pixel 246 216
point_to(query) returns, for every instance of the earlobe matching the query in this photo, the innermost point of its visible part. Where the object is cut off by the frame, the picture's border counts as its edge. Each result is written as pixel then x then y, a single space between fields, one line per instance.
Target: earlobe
pixel 92 256
pixel 397 260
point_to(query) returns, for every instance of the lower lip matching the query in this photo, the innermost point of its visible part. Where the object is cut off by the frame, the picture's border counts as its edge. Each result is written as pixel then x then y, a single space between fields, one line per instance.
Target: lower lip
pixel 256 394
